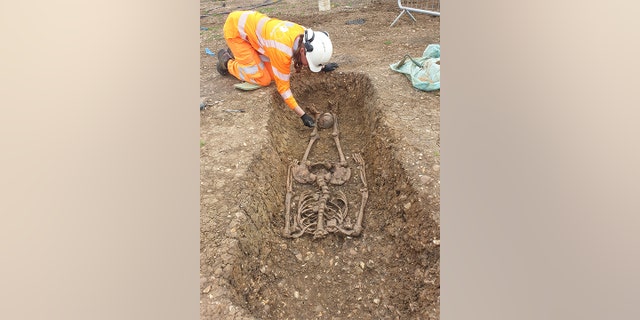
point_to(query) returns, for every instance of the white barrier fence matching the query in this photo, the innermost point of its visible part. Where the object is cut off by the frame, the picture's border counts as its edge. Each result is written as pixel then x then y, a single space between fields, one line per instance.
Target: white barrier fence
pixel 430 7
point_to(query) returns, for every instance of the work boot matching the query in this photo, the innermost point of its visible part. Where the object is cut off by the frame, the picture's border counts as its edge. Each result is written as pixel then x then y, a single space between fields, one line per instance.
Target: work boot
pixel 230 53
pixel 224 55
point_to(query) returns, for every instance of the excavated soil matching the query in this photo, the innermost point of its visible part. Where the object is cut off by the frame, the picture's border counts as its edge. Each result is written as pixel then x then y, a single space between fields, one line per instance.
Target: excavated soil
pixel 390 270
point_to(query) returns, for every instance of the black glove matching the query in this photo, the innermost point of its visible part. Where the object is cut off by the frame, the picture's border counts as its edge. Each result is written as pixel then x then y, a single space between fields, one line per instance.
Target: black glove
pixel 307 120
pixel 329 67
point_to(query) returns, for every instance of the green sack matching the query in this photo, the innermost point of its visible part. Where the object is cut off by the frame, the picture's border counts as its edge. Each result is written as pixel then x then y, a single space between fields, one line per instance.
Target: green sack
pixel 424 72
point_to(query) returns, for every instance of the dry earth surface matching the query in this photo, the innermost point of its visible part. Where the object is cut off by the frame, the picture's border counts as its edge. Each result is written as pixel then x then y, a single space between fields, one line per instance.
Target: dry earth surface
pixel 248 270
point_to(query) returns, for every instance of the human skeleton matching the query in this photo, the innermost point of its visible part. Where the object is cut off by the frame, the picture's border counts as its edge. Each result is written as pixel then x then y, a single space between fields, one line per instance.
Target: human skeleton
pixel 322 212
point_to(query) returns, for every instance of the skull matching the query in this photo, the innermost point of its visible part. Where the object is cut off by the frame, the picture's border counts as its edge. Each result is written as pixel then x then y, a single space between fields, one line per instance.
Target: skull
pixel 325 120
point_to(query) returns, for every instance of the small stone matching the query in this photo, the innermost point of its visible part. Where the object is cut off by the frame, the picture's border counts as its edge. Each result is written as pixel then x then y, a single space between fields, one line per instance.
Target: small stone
pixel 376 301
pixel 207 289
pixel 296 294
pixel 425 179
pixel 407 206
pixel 370 264
pixel 436 168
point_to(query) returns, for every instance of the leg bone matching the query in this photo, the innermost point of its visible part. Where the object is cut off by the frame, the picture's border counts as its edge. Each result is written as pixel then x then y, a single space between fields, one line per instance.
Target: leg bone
pixel 314 136
pixel 336 138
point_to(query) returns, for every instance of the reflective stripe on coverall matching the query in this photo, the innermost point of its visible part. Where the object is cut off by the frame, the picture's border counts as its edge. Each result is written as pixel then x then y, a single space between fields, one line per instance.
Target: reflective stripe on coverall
pixel 262 49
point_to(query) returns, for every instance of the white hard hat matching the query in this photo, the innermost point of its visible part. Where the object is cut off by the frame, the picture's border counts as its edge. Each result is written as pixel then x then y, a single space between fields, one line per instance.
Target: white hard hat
pixel 318 49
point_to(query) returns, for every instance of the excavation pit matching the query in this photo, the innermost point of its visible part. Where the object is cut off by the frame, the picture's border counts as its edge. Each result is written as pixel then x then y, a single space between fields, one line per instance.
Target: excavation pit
pixel 389 270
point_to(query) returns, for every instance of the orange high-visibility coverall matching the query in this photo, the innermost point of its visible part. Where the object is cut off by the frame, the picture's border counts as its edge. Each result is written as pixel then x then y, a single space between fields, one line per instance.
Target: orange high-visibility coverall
pixel 262 49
